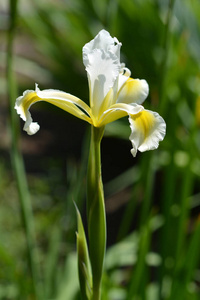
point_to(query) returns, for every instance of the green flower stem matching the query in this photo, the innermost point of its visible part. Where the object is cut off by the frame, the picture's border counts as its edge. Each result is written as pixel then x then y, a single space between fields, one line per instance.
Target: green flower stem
pixel 96 211
pixel 17 161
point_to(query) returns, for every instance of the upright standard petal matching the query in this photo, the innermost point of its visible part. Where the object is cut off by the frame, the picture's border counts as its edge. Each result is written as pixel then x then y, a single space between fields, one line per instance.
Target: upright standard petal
pixel 103 70
pixel 65 101
pixel 103 41
pixel 101 57
pixel 147 129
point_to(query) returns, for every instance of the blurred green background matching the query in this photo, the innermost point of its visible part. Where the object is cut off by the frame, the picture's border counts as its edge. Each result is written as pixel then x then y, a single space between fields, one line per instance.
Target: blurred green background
pixel 152 201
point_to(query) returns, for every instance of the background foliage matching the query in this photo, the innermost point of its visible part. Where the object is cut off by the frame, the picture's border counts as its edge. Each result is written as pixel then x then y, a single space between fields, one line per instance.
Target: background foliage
pixel 152 202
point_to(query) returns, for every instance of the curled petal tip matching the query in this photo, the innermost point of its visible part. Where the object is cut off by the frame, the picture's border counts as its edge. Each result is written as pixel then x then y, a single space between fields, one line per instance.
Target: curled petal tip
pixel 32 128
pixel 22 105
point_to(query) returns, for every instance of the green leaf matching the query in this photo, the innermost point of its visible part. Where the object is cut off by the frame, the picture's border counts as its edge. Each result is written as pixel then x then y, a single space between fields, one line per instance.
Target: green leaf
pixel 84 268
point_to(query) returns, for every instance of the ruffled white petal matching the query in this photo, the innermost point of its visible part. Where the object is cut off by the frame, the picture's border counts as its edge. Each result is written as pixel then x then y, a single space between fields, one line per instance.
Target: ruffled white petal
pixel 103 70
pixel 103 41
pixel 133 91
pixel 101 57
pixel 147 130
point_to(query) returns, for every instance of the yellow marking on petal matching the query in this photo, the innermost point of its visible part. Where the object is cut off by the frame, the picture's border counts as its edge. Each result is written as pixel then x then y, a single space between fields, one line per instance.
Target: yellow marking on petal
pixel 147 129
pixel 31 97
pixel 70 108
pixel 118 111
pixel 67 102
pixel 133 91
pixel 144 121
pixel 106 102
pixel 129 83
pixel 111 116
pixel 28 100
pixel 24 102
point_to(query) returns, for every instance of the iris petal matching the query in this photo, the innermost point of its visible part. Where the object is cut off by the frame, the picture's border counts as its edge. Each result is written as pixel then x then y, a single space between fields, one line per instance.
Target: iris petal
pixel 117 111
pixel 123 77
pixel 147 129
pixel 101 57
pixel 103 70
pixel 103 41
pixel 61 99
pixel 133 91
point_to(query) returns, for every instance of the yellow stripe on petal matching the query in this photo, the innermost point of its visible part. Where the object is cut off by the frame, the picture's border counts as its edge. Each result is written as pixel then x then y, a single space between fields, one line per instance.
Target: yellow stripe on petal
pixel 63 100
pixel 147 129
pixel 117 111
pixel 66 102
pixel 133 91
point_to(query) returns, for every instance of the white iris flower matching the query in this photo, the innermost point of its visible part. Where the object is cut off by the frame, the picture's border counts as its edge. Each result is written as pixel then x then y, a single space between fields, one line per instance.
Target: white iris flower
pixel 113 95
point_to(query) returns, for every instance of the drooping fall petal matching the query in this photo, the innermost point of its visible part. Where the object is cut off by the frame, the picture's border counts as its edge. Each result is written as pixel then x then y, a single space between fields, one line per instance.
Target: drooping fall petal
pixel 147 129
pixel 61 99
